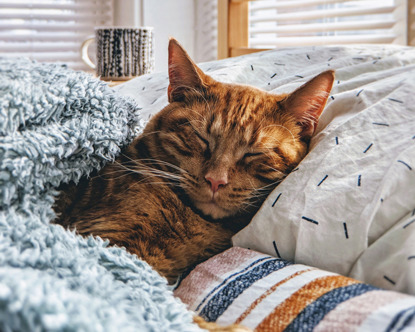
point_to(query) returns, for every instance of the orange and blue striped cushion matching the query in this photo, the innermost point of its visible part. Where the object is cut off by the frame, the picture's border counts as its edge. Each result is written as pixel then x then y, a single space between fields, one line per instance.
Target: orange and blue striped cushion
pixel 270 294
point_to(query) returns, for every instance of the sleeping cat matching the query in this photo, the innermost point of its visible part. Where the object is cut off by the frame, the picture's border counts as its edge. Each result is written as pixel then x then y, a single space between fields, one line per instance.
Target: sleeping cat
pixel 199 171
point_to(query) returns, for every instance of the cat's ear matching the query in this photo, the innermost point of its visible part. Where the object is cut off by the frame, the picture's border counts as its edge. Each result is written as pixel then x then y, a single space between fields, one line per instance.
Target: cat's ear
pixel 184 75
pixel 308 101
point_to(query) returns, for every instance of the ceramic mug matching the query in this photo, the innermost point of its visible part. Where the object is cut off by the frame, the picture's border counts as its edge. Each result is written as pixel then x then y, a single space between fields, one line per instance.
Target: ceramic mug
pixel 121 52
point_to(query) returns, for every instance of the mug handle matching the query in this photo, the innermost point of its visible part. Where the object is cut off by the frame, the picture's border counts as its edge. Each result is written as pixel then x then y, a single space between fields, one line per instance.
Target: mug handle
pixel 84 52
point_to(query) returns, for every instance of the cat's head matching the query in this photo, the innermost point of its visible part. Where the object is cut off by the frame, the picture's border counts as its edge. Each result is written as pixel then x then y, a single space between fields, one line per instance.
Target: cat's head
pixel 231 144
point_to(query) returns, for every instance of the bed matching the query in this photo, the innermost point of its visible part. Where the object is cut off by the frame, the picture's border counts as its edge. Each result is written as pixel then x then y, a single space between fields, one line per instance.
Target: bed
pixel 332 247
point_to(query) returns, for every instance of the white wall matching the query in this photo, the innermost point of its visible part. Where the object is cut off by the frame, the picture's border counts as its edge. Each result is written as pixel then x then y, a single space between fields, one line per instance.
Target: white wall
pixel 127 12
pixel 170 18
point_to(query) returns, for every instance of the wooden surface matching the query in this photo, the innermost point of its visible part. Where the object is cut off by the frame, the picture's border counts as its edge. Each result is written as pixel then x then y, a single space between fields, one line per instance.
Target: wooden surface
pixel 237 51
pixel 238 26
pixel 233 28
pixel 411 22
pixel 223 48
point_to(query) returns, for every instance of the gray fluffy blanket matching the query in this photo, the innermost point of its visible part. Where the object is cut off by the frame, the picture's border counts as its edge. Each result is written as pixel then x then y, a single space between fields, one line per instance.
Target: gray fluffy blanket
pixel 57 125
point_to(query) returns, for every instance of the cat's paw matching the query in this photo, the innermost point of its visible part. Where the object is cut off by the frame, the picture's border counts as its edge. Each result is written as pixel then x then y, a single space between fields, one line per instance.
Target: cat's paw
pixel 213 327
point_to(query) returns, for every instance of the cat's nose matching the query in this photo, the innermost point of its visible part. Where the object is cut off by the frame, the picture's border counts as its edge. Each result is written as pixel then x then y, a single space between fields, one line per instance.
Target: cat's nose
pixel 216 182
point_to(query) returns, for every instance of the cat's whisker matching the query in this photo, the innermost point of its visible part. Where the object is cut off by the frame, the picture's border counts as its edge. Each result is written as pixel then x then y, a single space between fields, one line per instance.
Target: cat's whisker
pixel 143 169
pixel 170 179
pixel 158 173
pixel 247 206
pixel 138 164
pixel 254 194
pixel 122 165
pixel 253 187
pixel 150 175
pixel 248 201
pixel 143 135
pixel 145 181
pixel 281 126
pixel 155 183
pixel 107 177
pixel 259 128
pixel 254 199
pixel 272 184
pixel 191 180
pixel 158 161
pixel 260 197
pixel 272 168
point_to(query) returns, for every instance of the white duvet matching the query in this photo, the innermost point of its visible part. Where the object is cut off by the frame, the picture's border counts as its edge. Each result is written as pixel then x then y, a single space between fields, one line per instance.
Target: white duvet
pixel 350 205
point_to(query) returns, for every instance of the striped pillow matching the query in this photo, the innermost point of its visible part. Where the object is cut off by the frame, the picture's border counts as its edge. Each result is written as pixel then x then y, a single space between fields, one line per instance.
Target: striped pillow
pixel 270 294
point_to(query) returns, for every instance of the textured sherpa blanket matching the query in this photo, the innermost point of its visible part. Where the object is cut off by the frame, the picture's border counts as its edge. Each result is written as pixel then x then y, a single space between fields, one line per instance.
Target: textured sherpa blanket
pixel 57 125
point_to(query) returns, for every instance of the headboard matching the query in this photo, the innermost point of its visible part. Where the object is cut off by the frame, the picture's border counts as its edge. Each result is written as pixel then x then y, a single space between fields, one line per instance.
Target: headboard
pixel 233 27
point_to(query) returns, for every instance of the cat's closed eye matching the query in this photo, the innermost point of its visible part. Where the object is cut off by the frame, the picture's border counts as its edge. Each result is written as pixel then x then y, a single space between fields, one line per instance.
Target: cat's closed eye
pixel 249 155
pixel 203 140
pixel 204 144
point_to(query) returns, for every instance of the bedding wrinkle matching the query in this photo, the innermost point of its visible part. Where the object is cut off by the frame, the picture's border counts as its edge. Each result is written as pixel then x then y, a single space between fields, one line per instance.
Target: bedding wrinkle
pixel 393 268
pixel 389 208
pixel 345 107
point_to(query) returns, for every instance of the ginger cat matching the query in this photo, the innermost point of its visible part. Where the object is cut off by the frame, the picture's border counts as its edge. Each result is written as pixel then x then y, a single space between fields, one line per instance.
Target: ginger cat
pixel 199 171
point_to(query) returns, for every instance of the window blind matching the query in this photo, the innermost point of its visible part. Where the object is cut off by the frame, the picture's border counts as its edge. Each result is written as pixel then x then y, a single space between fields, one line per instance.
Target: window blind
pixel 50 30
pixel 280 23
